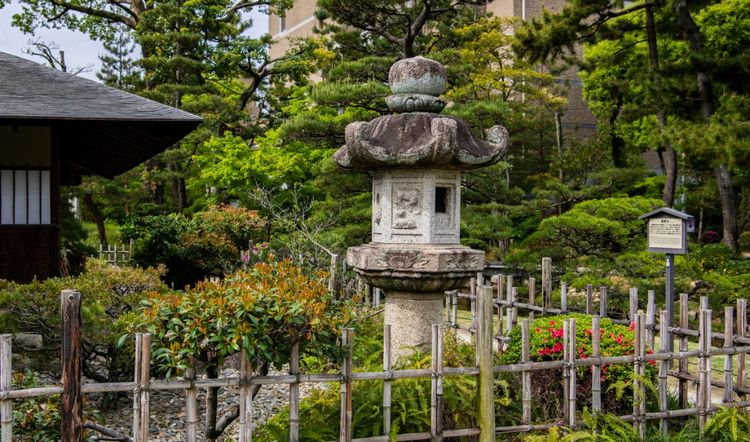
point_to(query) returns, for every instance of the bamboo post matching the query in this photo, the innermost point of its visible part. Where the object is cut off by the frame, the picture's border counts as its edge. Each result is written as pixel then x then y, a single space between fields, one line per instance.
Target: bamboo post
pixel 532 296
pixel 728 343
pixel 704 302
pixel 741 332
pixel 334 277
pixel 512 310
pixel 526 375
pixel 633 303
pixel 447 308
pixel 589 299
pixel 596 369
pixel 573 387
pixel 547 282
pixel 486 403
pixel 246 401
pixel 6 383
pixel 704 379
pixel 191 404
pixel 454 307
pixel 294 394
pixel 500 307
pixel 436 401
pixel 141 398
pixel 345 425
pixel 71 407
pixel 473 292
pixel 663 371
pixel 639 387
pixel 508 286
pixel 603 295
pixel 650 319
pixel 387 383
pixel 564 297
pixel 682 386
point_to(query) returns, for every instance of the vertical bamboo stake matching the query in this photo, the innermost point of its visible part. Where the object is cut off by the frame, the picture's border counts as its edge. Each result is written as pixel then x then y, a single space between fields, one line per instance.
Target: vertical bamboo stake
pixel 566 373
pixel 473 293
pixel 6 382
pixel 454 307
pixel 334 277
pixel 589 299
pixel 294 394
pixel 650 319
pixel 345 424
pixel 633 303
pixel 191 404
pixel 572 352
pixel 246 400
pixel 387 383
pixel 663 371
pixel 704 379
pixel 513 310
pixel 596 370
pixel 603 301
pixel 728 342
pixel 447 308
pixel 508 286
pixel 564 297
pixel 145 382
pixel 137 389
pixel 436 401
pixel 486 403
pixel 71 407
pixel 639 388
pixel 526 375
pixel 741 331
pixel 704 302
pixel 547 282
pixel 682 386
pixel 532 296
pixel 500 307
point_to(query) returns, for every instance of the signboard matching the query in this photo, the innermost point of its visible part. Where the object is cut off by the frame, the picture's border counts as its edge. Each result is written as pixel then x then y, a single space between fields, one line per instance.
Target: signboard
pixel 667 235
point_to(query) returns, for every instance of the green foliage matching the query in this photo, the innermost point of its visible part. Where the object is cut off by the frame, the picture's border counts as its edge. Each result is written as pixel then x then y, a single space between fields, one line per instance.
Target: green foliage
pixel 728 424
pixel 262 310
pixel 38 419
pixel 547 345
pixel 107 293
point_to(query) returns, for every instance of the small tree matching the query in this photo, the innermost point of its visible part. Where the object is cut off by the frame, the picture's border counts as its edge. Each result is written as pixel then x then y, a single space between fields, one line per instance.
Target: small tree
pixel 263 310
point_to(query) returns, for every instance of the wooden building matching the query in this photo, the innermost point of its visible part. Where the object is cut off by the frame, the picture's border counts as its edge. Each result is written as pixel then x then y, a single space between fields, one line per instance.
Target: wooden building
pixel 54 128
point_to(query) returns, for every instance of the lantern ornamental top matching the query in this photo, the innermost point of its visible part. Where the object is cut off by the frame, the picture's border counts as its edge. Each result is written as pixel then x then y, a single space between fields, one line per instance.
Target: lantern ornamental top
pixel 418 137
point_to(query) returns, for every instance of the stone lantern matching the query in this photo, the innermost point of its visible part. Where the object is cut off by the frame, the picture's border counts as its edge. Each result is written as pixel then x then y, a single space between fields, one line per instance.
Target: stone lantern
pixel 416 157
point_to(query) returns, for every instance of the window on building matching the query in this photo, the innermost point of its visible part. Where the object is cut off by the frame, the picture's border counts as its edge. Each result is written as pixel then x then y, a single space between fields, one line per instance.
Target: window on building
pixel 25 196
pixel 282 23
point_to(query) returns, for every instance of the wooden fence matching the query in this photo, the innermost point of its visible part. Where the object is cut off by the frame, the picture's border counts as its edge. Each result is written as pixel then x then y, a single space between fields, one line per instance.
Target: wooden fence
pixel 115 254
pixel 733 344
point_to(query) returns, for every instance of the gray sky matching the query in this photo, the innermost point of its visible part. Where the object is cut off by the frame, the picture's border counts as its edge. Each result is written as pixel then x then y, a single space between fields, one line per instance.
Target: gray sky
pixel 79 49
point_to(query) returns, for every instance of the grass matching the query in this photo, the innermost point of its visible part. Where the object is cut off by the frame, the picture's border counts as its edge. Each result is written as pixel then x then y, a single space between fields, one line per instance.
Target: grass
pixel 92 239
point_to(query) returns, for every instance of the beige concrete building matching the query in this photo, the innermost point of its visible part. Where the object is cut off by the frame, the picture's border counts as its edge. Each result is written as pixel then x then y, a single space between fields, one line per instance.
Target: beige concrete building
pixel 577 120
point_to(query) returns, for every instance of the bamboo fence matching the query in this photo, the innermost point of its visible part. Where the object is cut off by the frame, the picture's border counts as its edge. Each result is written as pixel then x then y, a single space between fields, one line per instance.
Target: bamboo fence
pixel 499 300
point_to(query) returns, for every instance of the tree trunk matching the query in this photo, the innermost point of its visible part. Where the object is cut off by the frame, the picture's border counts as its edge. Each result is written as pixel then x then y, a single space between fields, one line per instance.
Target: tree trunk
pixel 705 92
pixel 178 185
pixel 212 396
pixel 616 143
pixel 96 214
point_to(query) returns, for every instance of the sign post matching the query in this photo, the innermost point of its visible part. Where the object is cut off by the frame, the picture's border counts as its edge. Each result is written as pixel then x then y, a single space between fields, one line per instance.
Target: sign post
pixel 667 233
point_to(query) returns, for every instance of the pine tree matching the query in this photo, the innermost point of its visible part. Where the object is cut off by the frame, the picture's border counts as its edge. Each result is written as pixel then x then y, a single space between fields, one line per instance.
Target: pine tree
pixel 119 68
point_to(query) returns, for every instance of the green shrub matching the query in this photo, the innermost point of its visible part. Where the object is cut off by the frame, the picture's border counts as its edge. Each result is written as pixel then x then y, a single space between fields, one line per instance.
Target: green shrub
pixel 239 225
pixel 547 345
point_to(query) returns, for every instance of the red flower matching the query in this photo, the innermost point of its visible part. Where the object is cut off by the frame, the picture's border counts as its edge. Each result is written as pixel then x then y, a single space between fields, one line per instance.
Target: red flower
pixel 557 333
pixel 557 348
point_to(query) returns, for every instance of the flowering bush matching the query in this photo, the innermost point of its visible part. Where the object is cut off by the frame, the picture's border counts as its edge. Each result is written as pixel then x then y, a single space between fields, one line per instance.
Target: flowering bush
pixel 546 342
pixel 238 224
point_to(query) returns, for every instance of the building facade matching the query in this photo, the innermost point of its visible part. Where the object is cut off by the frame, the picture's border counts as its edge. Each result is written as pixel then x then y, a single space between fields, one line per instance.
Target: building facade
pixel 578 121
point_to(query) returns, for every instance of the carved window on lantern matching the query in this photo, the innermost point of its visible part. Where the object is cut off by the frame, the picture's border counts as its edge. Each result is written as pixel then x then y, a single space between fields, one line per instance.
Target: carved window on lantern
pixel 443 207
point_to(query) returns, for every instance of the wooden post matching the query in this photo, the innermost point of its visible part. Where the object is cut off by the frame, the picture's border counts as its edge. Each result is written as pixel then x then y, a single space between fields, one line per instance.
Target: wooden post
pixel 436 401
pixel 589 299
pixel 473 292
pixel 294 394
pixel 512 310
pixel 246 401
pixel 728 343
pixel 141 398
pixel 486 403
pixel 704 363
pixel 566 373
pixel 639 387
pixel 650 319
pixel 564 297
pixel 633 303
pixel 454 307
pixel 6 383
pixel 525 375
pixel 547 282
pixel 508 286
pixel 573 386
pixel 596 370
pixel 741 332
pixel 334 276
pixel 532 296
pixel 682 386
pixel 387 383
pixel 500 307
pixel 71 407
pixel 345 424
pixel 191 404
pixel 603 301
pixel 447 308
pixel 663 372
